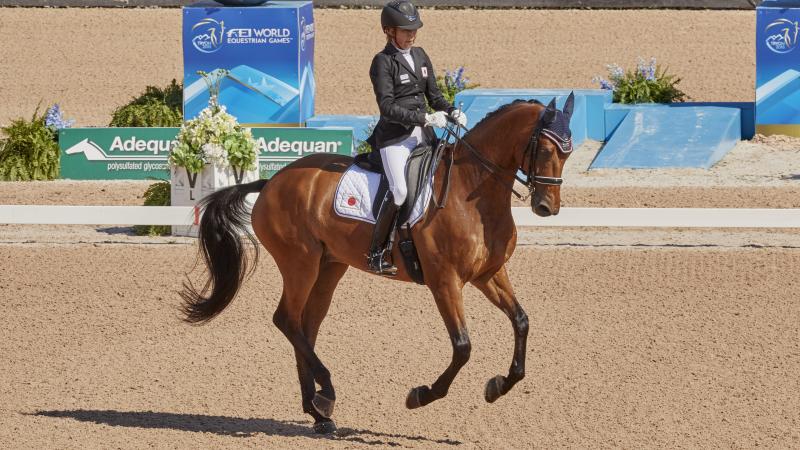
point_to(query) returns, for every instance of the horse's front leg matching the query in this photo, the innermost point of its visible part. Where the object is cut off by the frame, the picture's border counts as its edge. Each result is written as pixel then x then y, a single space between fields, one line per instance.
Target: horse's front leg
pixel 498 290
pixel 451 307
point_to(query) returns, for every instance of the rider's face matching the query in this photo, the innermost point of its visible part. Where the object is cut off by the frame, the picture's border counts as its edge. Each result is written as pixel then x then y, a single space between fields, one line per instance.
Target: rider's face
pixel 403 38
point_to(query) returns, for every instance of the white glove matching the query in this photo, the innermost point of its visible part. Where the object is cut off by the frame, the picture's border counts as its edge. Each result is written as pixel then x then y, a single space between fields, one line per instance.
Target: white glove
pixel 460 117
pixel 437 119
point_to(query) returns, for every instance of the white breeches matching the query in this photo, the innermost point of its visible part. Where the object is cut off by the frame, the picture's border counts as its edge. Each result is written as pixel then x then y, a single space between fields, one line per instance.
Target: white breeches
pixel 394 163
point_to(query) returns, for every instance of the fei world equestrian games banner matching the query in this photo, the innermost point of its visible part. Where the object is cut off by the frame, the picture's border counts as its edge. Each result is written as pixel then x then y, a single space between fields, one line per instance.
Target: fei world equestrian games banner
pixel 778 67
pixel 268 51
pixel 141 153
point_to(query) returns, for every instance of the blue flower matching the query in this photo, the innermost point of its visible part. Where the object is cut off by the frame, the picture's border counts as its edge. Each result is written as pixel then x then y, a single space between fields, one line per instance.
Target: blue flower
pixel 455 81
pixel 647 71
pixel 604 84
pixel 615 72
pixel 55 120
pixel 653 67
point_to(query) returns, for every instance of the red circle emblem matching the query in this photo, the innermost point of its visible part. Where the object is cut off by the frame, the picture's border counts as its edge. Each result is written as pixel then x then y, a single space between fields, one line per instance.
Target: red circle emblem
pixel 351 201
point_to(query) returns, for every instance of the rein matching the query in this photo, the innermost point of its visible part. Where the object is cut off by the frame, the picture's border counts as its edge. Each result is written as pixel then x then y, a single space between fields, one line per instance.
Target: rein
pixel 531 151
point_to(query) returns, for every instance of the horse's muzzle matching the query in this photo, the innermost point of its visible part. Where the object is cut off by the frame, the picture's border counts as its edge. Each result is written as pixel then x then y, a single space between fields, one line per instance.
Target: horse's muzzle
pixel 542 209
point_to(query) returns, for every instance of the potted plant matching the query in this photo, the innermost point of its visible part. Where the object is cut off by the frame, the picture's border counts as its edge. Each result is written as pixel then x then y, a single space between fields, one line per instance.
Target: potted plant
pixel 214 139
pixel 214 147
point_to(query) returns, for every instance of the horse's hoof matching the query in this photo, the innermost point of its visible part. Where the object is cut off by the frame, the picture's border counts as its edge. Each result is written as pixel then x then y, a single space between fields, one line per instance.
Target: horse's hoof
pixel 414 399
pixel 325 427
pixel 323 405
pixel 494 388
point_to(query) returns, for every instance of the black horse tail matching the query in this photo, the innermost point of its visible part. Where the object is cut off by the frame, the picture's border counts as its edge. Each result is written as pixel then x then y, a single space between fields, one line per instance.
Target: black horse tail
pixel 225 217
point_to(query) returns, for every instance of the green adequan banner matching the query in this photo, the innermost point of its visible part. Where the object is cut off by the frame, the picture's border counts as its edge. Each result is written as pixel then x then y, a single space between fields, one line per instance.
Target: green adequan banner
pixel 141 153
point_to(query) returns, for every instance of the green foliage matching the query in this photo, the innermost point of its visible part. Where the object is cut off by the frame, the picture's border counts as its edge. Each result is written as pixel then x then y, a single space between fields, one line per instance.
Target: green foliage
pixel 454 82
pixel 157 194
pixel 29 150
pixel 152 114
pixel 363 147
pixel 451 83
pixel 241 150
pixel 214 137
pixel 647 84
pixel 155 107
pixel 182 155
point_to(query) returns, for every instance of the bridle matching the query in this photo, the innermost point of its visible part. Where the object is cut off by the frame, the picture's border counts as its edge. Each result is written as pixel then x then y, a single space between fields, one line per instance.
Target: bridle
pixel 531 152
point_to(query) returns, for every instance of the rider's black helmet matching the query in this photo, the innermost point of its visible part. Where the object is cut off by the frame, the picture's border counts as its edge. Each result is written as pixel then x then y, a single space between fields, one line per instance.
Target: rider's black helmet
pixel 401 14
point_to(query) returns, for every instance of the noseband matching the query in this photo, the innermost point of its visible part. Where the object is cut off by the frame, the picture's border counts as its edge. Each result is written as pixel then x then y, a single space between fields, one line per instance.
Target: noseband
pixel 531 152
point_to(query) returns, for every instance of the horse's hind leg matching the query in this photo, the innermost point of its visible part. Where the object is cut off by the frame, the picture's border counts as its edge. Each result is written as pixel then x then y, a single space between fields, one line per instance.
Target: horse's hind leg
pixel 450 303
pixel 316 308
pixel 300 273
pixel 499 291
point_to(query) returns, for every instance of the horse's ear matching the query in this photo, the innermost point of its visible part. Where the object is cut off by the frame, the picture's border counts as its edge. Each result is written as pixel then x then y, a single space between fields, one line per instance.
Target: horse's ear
pixel 550 111
pixel 569 106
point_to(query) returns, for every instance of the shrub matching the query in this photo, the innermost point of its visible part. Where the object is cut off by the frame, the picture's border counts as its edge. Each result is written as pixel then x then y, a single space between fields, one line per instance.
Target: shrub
pixel 30 148
pixel 157 194
pixel 155 107
pixel 363 147
pixel 452 83
pixel 649 83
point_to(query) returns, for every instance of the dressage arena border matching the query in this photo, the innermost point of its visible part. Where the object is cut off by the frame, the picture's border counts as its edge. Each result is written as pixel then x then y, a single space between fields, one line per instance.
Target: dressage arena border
pixel 523 216
pixel 498 4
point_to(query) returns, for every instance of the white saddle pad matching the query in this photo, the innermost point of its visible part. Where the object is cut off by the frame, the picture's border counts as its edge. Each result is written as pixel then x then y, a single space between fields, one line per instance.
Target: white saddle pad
pixel 356 193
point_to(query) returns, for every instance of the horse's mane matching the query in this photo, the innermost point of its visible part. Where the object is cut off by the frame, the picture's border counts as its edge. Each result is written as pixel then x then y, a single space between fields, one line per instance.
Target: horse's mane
pixel 501 109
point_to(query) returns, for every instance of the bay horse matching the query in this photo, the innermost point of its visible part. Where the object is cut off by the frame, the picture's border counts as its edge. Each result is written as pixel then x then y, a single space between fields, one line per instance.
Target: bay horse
pixel 468 241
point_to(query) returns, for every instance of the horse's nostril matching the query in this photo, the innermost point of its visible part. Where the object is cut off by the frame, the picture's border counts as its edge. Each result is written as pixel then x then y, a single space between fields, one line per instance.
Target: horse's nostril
pixel 542 210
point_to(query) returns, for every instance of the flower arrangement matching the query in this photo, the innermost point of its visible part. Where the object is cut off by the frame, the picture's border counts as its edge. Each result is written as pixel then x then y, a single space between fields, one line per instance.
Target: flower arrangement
pixel 214 138
pixel 649 83
pixel 454 82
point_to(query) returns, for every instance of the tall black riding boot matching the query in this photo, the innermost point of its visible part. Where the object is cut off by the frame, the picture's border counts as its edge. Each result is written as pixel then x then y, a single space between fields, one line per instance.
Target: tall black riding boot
pixel 386 220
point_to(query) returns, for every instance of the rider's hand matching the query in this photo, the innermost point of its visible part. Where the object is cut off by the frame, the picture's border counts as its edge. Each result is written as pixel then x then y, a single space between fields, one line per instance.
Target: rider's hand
pixel 437 119
pixel 459 117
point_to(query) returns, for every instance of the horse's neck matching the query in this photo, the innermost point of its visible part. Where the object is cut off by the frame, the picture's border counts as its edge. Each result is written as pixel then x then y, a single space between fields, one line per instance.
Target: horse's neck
pixel 476 181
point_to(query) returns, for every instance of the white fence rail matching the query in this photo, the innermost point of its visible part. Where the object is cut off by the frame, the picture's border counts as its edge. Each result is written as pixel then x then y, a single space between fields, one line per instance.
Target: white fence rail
pixel 569 217
pixel 98 215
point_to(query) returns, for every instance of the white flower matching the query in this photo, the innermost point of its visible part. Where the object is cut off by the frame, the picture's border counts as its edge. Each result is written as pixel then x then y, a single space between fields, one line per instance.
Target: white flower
pixel 215 154
pixel 205 134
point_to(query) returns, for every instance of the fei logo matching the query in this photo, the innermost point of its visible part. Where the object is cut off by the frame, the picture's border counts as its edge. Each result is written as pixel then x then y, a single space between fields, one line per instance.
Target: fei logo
pixel 302 33
pixel 784 37
pixel 306 32
pixel 208 35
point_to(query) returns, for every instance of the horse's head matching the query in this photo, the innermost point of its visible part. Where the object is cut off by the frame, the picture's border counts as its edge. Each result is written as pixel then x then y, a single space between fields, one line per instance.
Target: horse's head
pixel 543 161
pixel 528 136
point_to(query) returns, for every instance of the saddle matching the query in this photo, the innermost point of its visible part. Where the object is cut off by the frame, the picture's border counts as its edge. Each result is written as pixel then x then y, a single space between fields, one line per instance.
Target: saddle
pixel 420 167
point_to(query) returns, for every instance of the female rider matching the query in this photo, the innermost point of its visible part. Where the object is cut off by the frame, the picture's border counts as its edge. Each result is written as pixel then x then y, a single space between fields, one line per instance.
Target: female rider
pixel 402 78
